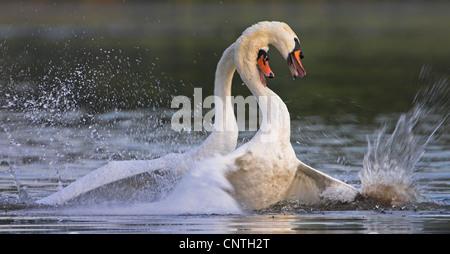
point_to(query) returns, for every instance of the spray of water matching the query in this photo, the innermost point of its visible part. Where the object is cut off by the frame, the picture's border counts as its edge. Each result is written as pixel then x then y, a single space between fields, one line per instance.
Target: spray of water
pixel 53 105
pixel 389 172
pixel 200 191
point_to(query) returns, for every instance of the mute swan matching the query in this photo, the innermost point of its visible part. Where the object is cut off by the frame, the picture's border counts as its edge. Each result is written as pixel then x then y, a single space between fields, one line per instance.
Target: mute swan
pixel 265 170
pixel 223 139
pixel 262 171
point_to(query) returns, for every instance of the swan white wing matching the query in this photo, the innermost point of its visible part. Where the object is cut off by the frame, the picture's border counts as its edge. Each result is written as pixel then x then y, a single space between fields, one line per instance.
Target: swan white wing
pixel 109 173
pixel 204 189
pixel 312 186
pixel 220 141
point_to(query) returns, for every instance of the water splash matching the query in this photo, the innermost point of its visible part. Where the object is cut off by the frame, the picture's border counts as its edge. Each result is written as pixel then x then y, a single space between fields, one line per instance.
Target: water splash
pixel 55 109
pixel 78 74
pixel 199 191
pixel 390 166
pixel 23 195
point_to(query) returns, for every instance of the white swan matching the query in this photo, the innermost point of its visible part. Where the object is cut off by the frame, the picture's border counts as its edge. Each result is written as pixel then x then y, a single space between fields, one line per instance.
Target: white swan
pixel 265 170
pixel 222 140
pixel 262 171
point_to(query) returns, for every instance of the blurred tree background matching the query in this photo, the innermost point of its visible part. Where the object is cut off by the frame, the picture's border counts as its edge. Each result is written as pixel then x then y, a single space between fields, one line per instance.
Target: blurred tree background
pixel 362 57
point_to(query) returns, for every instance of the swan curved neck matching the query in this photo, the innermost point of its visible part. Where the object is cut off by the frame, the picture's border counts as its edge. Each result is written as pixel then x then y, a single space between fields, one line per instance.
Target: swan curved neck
pixel 276 118
pixel 224 113
pixel 276 122
pixel 223 138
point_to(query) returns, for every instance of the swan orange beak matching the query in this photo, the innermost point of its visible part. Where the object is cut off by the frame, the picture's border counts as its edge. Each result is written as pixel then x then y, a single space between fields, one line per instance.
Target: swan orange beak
pixel 263 66
pixel 295 65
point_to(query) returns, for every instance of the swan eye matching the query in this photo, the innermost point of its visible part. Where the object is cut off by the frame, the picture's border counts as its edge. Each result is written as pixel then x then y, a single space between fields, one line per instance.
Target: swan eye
pixel 297 47
pixel 262 62
pixel 264 54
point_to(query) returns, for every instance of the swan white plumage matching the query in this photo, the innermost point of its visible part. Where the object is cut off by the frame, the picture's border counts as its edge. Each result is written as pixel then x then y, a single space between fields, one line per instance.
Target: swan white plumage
pixel 222 140
pixel 266 170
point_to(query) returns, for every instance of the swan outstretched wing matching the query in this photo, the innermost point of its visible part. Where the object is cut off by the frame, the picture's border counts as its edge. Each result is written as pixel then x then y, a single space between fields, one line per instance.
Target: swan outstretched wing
pixel 112 172
pixel 311 186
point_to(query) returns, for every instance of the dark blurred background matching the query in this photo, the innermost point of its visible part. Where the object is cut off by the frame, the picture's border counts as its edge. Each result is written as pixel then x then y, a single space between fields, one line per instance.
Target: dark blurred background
pixel 362 57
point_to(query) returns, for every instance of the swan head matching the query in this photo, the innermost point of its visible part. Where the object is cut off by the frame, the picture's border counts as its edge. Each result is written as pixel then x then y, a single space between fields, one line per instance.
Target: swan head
pixel 262 62
pixel 294 63
pixel 254 43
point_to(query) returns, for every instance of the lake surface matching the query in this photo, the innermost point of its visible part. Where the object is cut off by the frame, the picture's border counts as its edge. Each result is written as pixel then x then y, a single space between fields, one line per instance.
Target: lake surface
pixel 83 84
pixel 45 158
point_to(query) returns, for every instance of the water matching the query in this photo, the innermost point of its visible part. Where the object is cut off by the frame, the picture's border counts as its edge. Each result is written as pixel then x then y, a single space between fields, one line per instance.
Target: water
pixel 390 163
pixel 361 222
pixel 39 159
pixel 79 91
